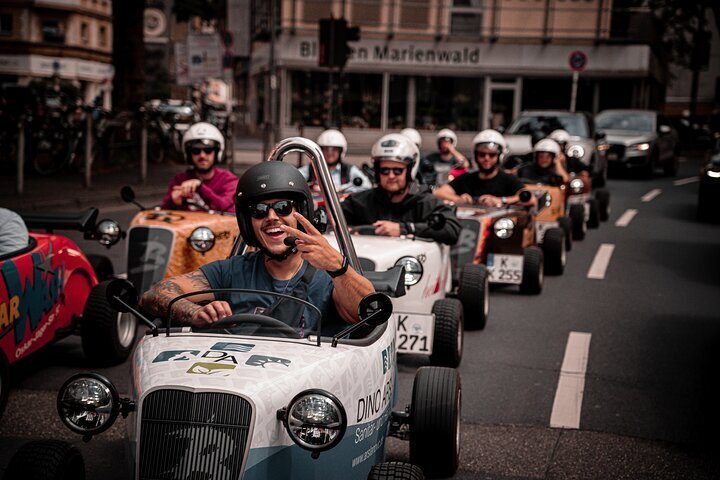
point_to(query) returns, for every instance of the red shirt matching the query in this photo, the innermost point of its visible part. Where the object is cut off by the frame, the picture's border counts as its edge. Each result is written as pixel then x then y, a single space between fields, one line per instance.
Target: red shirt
pixel 217 193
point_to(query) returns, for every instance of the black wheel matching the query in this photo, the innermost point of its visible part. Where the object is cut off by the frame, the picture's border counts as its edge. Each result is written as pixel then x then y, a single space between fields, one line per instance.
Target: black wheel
pixel 603 199
pixel 594 217
pixel 533 271
pixel 435 421
pixel 600 179
pixel 474 292
pixel 395 471
pixel 670 168
pixel 566 225
pixel 4 382
pixel 577 216
pixel 107 335
pixel 102 266
pixel 448 335
pixel 46 460
pixel 553 247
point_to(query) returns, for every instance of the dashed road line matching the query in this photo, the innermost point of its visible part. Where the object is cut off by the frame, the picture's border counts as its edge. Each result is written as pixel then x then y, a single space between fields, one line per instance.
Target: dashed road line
pixel 651 194
pixel 626 218
pixel 685 181
pixel 601 261
pixel 571 385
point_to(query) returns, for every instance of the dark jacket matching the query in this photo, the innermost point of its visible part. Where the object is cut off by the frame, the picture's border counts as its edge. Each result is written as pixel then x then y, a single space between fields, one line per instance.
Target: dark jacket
pixel 369 206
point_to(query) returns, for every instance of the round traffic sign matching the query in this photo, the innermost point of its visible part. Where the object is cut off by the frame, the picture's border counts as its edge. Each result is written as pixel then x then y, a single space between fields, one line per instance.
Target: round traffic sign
pixel 577 61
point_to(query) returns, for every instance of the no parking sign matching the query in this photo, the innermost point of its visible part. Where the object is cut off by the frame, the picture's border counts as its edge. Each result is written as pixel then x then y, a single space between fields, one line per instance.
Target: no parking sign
pixel 577 60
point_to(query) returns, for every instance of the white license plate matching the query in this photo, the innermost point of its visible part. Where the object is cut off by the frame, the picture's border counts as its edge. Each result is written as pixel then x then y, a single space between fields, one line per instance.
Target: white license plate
pixel 415 332
pixel 505 268
pixel 543 227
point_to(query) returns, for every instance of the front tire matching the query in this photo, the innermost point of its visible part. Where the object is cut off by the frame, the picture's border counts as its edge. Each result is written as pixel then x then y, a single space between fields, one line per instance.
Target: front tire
pixel 474 292
pixel 435 421
pixel 107 335
pixel 553 247
pixel 395 471
pixel 533 271
pixel 594 220
pixel 448 336
pixel 577 216
pixel 46 460
pixel 567 227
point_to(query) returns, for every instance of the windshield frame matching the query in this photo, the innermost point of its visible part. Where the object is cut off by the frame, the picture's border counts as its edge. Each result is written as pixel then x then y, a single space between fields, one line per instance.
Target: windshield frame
pixel 626 114
pixel 540 118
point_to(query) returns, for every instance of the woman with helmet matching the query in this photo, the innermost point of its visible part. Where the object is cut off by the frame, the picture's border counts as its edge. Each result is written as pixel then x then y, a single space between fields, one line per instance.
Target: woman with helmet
pixel 203 186
pixel 398 205
pixel 349 178
pixel 571 164
pixel 446 158
pixel 272 203
pixel 490 185
pixel 546 167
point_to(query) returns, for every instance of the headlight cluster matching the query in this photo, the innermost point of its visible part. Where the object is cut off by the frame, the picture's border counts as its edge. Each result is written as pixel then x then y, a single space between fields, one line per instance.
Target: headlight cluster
pixel 413 270
pixel 640 147
pixel 316 420
pixel 576 186
pixel 504 228
pixel 88 403
pixel 576 151
pixel 202 239
pixel 108 232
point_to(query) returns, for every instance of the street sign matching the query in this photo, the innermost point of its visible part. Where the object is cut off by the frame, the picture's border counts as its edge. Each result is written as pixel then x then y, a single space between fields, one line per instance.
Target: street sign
pixel 577 60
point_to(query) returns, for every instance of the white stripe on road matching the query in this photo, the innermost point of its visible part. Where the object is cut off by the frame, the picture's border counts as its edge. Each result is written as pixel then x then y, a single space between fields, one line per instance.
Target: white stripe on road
pixel 651 194
pixel 626 218
pixel 601 261
pixel 571 386
pixel 685 181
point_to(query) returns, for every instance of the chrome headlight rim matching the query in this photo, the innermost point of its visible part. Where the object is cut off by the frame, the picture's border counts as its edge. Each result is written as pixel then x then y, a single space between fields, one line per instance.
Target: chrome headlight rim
pixel 107 388
pixel 292 422
pixel 414 274
pixel 576 151
pixel 504 228
pixel 577 185
pixel 202 239
pixel 108 232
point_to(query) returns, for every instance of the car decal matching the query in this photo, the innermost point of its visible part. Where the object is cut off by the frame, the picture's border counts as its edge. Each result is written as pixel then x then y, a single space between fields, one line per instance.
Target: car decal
pixel 233 347
pixel 211 368
pixel 176 355
pixel 262 360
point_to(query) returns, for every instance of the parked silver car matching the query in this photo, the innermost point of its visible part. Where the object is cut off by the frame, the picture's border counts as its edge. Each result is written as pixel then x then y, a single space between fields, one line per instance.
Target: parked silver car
pixel 639 139
pixel 585 143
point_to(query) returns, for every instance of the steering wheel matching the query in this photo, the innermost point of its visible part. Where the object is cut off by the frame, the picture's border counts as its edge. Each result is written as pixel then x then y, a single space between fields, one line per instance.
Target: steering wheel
pixel 363 229
pixel 259 320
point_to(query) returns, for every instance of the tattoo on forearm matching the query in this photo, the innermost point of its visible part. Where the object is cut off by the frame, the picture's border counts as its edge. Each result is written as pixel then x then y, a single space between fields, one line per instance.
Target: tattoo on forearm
pixel 198 280
pixel 159 296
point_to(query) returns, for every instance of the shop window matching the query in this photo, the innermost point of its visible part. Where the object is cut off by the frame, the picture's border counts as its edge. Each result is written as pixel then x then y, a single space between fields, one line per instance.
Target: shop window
pixel 466 17
pixel 448 102
pixel 84 33
pixel 314 10
pixel 53 31
pixel 415 14
pixel 6 24
pixel 309 105
pixel 366 13
pixel 398 104
pixel 362 100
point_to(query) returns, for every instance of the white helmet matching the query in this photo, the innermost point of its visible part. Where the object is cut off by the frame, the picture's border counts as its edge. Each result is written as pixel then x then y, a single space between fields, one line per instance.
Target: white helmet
pixel 413 135
pixel 207 134
pixel 447 133
pixel 493 139
pixel 333 138
pixel 547 145
pixel 560 135
pixel 398 148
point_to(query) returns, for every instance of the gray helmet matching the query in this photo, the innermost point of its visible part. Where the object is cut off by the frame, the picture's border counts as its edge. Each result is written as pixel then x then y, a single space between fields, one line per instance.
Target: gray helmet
pixel 267 180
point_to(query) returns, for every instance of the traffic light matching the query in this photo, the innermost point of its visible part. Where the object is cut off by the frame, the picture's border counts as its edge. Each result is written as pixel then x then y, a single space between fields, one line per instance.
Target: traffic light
pixel 334 34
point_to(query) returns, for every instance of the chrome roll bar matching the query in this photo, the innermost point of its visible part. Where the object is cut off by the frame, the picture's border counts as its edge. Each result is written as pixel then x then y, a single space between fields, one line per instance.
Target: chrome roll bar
pixel 327 190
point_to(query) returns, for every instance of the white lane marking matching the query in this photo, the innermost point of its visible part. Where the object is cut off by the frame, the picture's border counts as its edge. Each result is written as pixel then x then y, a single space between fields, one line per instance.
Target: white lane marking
pixel 571 385
pixel 685 181
pixel 601 261
pixel 626 218
pixel 651 194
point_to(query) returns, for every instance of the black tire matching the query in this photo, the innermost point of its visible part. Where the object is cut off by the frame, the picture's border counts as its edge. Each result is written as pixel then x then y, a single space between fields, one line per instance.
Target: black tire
pixel 395 471
pixel 474 293
pixel 107 335
pixel 435 421
pixel 448 336
pixel 603 199
pixel 594 218
pixel 4 382
pixel 553 247
pixel 577 216
pixel 567 227
pixel 102 266
pixel 533 271
pixel 46 460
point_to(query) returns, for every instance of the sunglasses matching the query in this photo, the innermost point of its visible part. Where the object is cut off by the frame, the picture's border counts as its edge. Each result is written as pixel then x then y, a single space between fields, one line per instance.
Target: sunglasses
pixel 206 150
pixel 283 208
pixel 486 154
pixel 386 171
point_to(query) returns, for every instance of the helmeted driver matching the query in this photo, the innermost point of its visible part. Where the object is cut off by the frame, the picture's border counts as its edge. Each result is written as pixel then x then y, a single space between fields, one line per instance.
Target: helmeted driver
pixel 347 177
pixel 547 167
pixel 204 186
pixel 272 202
pixel 447 157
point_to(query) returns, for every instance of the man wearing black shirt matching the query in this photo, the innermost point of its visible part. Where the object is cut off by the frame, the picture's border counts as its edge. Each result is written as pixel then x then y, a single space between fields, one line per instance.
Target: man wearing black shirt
pixel 546 167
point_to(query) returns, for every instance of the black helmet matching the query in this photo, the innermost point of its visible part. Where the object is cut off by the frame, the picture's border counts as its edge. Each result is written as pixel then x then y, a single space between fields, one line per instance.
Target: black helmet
pixel 267 180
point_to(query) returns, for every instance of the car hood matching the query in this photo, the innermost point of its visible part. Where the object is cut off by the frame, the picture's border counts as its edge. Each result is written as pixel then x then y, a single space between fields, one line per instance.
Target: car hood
pixel 385 251
pixel 518 144
pixel 621 137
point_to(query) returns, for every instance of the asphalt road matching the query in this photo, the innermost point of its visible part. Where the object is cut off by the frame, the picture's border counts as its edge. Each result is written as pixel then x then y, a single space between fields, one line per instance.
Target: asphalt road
pixel 644 395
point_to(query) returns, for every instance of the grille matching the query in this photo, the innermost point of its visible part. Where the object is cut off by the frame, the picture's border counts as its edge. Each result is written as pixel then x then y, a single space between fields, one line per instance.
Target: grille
pixel 619 150
pixel 187 435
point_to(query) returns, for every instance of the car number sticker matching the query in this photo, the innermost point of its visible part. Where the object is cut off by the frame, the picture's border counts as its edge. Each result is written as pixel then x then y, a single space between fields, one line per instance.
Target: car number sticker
pixel 543 227
pixel 504 268
pixel 414 333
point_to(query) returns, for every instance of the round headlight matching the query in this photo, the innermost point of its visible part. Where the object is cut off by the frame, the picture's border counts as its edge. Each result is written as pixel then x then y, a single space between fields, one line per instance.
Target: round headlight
pixel 88 403
pixel 202 239
pixel 577 185
pixel 108 232
pixel 504 228
pixel 413 270
pixel 576 151
pixel 316 420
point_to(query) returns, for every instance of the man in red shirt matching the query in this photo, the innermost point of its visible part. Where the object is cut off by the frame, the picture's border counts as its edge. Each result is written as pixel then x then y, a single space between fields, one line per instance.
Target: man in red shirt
pixel 203 186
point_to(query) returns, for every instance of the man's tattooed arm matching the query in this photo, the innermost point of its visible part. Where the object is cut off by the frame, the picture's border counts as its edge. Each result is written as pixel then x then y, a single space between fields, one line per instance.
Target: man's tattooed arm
pixel 157 299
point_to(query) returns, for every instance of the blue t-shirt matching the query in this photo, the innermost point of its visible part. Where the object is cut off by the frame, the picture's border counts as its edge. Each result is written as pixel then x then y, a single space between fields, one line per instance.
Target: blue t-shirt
pixel 248 271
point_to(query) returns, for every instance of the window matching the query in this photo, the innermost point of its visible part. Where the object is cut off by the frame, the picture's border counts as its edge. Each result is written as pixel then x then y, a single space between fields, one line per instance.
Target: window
pixel 466 17
pixel 362 100
pixel 84 33
pixel 314 10
pixel 366 13
pixel 415 14
pixel 308 98
pixel 6 24
pixel 447 102
pixel 102 34
pixel 397 105
pixel 53 31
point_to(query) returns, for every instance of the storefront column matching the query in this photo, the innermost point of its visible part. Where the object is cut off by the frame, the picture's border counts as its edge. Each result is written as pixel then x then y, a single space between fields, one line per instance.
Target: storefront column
pixel 385 102
pixel 596 97
pixel 410 99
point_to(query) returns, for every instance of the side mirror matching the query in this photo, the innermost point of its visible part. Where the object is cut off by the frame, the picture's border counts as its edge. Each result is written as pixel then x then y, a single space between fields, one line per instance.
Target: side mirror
pixel 127 194
pixel 436 221
pixel 375 309
pixel 525 196
pixel 122 295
